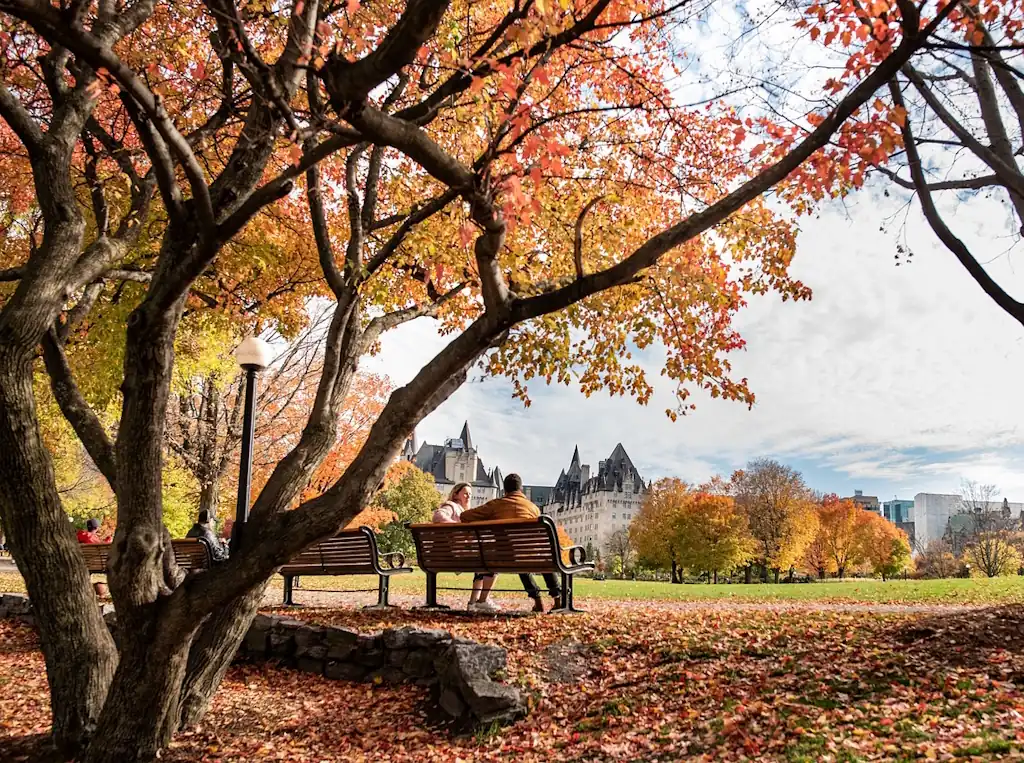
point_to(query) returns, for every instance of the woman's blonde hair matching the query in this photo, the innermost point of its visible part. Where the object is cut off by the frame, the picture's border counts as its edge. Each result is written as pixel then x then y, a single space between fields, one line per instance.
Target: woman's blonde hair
pixel 456 489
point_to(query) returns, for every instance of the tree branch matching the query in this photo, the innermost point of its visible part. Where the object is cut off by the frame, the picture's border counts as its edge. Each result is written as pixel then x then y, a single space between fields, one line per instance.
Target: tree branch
pixel 652 250
pixel 76 410
pixel 24 126
pixel 945 235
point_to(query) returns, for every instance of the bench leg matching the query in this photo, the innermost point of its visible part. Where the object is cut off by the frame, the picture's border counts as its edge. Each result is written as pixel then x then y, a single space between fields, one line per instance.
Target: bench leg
pixel 432 593
pixel 383 588
pixel 288 602
pixel 568 603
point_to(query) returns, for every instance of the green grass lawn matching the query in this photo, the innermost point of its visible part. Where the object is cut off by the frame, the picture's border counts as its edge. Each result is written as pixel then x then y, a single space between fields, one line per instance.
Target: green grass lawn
pixel 974 591
pixel 953 591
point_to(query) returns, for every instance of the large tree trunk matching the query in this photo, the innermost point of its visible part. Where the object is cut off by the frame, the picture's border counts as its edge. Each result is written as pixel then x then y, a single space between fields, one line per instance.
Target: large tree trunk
pixel 142 708
pixel 79 652
pixel 212 651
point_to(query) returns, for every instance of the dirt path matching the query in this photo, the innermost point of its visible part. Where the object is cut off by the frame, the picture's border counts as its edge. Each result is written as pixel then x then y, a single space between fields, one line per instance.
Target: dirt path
pixel 520 605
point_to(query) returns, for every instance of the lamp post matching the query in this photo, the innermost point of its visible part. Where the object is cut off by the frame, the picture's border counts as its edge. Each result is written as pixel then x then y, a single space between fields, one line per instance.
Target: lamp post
pixel 253 355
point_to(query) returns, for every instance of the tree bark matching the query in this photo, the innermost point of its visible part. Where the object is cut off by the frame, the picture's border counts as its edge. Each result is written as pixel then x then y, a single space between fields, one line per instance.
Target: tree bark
pixel 79 652
pixel 748 574
pixel 209 497
pixel 141 710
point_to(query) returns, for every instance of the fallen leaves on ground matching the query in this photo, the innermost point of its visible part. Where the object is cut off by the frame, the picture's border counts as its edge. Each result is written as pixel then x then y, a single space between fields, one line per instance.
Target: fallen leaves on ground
pixel 630 683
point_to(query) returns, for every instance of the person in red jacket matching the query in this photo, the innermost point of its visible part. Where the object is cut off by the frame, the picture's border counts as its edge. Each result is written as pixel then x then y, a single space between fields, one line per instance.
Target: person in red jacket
pixel 91 535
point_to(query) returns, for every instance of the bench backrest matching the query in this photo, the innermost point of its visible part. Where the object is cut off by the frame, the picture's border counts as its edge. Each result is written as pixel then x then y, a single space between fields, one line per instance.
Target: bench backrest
pixel 97 556
pixel 350 552
pixel 190 554
pixel 499 546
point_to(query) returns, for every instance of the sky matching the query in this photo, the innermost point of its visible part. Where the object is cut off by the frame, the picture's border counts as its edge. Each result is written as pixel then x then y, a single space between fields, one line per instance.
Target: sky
pixel 893 379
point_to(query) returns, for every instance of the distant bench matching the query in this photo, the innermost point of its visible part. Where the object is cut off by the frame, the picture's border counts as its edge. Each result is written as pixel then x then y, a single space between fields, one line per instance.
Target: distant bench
pixel 505 545
pixel 350 552
pixel 190 554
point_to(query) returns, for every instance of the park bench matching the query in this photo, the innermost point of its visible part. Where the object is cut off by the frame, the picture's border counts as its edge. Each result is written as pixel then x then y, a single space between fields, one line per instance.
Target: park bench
pixel 350 552
pixel 500 546
pixel 189 553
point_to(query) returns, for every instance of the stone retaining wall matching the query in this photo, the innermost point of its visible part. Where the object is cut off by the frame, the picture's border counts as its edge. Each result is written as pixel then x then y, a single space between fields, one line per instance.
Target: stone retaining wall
pixel 464 674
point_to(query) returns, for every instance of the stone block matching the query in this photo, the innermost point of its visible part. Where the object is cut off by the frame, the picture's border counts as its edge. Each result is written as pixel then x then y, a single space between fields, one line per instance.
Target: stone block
pixel 396 657
pixel 344 671
pixel 388 675
pixel 16 604
pixel 341 643
pixel 282 637
pixel 257 639
pixel 419 663
pixel 373 658
pixel 452 703
pixel 310 642
pixel 426 638
pixel 490 701
pixel 310 665
pixel 369 641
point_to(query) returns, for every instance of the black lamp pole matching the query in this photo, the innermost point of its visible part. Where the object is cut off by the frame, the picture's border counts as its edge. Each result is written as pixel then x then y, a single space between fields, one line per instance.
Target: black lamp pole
pixel 245 461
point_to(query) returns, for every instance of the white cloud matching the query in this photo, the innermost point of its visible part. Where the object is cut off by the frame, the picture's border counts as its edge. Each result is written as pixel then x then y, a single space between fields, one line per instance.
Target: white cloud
pixel 897 378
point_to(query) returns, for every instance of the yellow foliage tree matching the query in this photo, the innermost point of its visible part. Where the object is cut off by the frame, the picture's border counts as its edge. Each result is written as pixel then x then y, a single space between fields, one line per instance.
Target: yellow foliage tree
pixel 779 512
pixel 841 523
pixel 712 534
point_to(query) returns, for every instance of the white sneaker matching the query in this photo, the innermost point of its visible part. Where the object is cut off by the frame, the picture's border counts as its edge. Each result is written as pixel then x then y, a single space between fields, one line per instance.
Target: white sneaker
pixel 486 606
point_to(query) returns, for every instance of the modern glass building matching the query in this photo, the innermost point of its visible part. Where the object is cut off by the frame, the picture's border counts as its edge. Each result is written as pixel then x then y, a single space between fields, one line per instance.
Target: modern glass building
pixel 898 510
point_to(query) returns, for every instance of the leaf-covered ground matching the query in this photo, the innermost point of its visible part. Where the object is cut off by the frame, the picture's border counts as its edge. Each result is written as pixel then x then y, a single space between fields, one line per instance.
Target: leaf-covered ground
pixel 629 682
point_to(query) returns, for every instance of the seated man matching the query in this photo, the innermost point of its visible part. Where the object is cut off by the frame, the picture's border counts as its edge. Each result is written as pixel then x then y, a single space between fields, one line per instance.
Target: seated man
pixel 202 530
pixel 515 505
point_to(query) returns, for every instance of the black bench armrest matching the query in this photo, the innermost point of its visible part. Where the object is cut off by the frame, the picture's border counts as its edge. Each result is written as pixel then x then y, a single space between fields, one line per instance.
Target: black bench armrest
pixel 577 555
pixel 392 560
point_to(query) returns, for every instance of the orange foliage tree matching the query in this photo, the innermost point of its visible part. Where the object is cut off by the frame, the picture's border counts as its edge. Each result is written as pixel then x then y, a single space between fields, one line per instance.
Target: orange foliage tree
pixel 840 528
pixel 885 547
pixel 521 171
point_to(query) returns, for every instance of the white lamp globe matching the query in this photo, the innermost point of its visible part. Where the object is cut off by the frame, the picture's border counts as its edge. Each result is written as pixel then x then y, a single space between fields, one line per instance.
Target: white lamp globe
pixel 253 352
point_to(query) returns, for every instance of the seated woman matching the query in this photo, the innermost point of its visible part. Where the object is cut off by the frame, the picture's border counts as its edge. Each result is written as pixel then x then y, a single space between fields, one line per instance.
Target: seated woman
pixel 449 512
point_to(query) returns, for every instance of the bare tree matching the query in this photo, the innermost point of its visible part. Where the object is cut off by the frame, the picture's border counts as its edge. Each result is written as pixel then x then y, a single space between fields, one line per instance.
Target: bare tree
pixel 987 536
pixel 619 546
